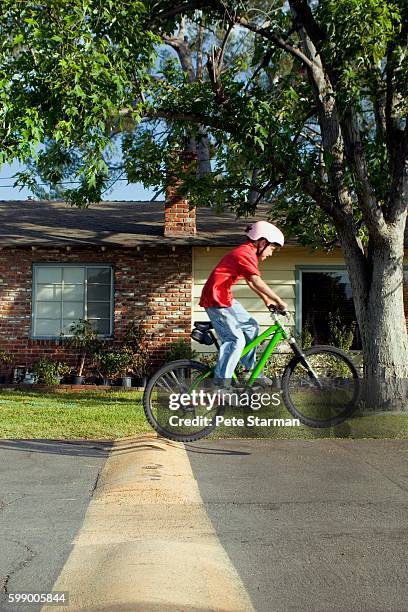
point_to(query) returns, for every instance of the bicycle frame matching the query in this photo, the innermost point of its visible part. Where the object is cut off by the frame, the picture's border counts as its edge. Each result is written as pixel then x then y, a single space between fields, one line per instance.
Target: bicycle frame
pixel 278 334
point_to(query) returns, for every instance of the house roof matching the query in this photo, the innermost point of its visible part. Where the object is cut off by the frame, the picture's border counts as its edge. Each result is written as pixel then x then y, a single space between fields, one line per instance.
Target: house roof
pixel 125 224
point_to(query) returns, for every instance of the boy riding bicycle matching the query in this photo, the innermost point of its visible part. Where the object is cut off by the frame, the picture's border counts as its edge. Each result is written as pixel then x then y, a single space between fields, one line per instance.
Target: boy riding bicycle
pixel 234 325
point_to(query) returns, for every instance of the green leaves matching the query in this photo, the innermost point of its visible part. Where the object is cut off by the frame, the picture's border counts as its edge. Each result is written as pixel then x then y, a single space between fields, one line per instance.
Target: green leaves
pixel 359 33
pixel 77 79
pixel 66 71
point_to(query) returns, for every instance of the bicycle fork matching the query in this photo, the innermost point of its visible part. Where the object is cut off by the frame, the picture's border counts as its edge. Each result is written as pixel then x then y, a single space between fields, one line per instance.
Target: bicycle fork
pixel 298 352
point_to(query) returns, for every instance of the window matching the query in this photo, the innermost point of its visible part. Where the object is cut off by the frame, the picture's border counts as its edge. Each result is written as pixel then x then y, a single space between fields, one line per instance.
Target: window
pixel 325 300
pixel 63 294
pixel 322 292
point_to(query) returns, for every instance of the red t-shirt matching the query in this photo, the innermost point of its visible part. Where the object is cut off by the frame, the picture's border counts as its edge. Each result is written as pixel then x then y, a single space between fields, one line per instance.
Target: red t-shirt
pixel 241 262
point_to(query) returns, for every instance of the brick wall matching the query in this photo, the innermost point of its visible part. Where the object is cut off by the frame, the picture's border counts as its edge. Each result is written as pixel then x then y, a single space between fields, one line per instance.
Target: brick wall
pixel 179 218
pixel 152 286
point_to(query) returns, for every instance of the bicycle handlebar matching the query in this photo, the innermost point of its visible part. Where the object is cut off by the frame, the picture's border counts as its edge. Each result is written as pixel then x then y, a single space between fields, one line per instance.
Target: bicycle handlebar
pixel 275 310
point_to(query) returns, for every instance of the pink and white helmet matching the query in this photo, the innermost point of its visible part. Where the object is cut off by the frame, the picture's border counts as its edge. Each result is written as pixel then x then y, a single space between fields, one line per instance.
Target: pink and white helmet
pixel 263 229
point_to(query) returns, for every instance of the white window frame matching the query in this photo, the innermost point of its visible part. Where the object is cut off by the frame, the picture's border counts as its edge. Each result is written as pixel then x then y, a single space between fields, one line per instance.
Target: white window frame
pixel 37 265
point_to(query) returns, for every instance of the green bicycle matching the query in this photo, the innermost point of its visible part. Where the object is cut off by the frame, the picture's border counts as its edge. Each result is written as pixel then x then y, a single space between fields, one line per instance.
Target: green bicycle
pixel 320 386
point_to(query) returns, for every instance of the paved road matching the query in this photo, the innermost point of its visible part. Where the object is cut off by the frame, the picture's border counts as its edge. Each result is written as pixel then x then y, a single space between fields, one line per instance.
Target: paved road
pixel 45 489
pixel 315 525
pixel 270 526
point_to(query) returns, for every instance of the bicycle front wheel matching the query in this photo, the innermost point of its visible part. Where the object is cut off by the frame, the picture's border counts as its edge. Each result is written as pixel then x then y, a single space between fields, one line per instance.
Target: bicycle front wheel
pixel 173 404
pixel 322 389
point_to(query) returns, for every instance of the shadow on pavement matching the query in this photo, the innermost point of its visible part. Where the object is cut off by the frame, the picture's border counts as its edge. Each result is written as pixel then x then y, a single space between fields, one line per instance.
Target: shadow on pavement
pixel 80 448
pixel 86 448
pixel 206 450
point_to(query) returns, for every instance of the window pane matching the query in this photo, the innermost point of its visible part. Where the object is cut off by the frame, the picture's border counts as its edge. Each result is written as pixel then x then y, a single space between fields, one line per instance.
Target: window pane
pixel 49 275
pixel 73 310
pixel 73 292
pixel 60 293
pixel 99 275
pixel 48 292
pixel 102 325
pixel 74 275
pixel 98 310
pixel 326 295
pixel 49 310
pixel 46 327
pixel 99 292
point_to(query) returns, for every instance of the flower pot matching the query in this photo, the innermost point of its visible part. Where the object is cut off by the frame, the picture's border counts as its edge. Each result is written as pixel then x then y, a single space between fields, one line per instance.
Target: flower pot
pixel 126 381
pixel 30 378
pixel 140 382
pixel 105 382
pixel 78 380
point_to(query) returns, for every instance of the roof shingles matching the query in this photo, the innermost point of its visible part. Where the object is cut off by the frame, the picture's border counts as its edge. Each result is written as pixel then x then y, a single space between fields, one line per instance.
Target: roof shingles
pixel 124 224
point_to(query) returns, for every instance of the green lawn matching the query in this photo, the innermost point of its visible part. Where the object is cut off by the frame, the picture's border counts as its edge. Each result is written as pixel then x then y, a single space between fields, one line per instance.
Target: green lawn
pixel 114 414
pixel 86 414
pixel 370 425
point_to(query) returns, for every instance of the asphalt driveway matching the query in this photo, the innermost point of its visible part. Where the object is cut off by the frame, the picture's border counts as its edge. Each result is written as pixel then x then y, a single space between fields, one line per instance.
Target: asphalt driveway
pixel 270 526
pixel 45 489
pixel 315 525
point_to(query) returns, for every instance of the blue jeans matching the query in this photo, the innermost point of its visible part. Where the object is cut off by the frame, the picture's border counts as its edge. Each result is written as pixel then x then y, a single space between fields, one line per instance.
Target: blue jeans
pixel 235 328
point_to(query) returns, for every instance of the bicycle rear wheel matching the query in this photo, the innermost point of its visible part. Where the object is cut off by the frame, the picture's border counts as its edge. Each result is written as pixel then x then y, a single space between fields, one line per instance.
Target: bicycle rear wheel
pixel 171 415
pixel 323 389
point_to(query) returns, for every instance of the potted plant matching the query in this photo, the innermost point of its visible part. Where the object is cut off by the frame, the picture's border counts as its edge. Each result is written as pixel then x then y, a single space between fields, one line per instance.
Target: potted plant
pixel 83 339
pixel 126 365
pixel 135 341
pixel 106 366
pixel 5 359
pixel 50 372
pixel 115 364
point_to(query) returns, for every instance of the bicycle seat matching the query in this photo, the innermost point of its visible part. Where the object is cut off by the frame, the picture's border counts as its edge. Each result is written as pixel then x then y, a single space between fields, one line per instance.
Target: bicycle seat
pixel 203 325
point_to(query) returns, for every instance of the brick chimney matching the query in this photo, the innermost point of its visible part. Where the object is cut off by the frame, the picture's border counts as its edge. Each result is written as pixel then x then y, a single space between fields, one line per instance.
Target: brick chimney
pixel 179 220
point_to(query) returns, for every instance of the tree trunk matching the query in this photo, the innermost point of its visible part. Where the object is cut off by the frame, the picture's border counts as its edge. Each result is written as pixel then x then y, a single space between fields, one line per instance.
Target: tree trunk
pixel 203 153
pixel 380 315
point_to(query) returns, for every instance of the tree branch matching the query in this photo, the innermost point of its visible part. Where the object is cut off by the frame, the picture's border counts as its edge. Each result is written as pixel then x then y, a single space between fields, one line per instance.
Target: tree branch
pixel 305 16
pixel 181 46
pixel 217 87
pixel 277 40
pixel 398 200
pixel 196 118
pixel 185 7
pixel 222 49
pixel 372 213
pixel 200 38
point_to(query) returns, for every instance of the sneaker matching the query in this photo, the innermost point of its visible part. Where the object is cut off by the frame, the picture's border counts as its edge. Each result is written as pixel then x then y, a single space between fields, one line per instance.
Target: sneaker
pixel 228 392
pixel 262 381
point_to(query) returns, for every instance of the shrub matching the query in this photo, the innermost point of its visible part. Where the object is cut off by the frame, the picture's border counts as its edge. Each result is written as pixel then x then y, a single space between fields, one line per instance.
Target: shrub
pixel 341 335
pixel 50 372
pixel 5 358
pixel 277 364
pixel 180 350
pixel 306 337
pixel 209 359
pixel 135 341
pixel 113 364
pixel 85 340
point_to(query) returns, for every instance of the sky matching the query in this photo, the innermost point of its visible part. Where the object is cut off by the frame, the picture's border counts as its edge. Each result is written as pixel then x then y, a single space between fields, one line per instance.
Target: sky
pixel 121 191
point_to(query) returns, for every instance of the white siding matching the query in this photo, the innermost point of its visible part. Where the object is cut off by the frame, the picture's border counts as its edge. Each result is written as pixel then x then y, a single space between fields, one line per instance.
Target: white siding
pixel 278 271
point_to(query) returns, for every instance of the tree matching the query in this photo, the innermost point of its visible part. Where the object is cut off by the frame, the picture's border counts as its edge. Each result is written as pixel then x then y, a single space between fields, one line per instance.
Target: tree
pixel 314 121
